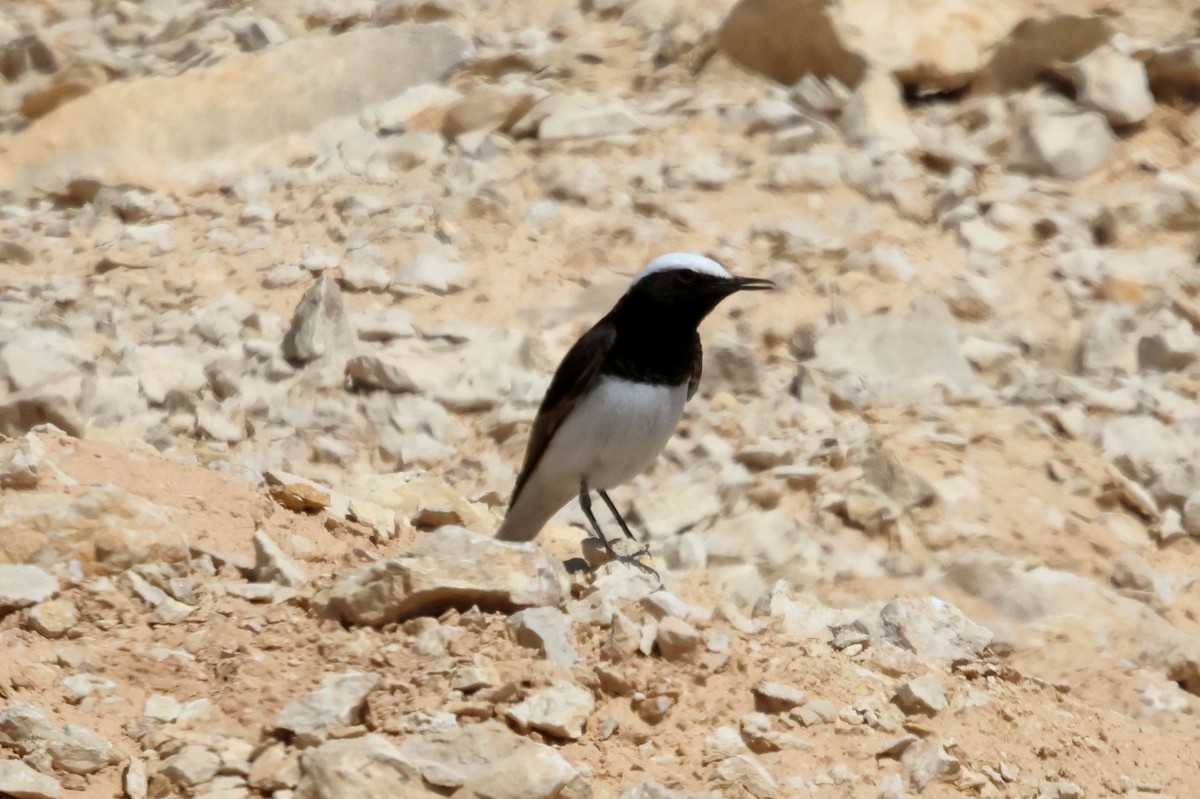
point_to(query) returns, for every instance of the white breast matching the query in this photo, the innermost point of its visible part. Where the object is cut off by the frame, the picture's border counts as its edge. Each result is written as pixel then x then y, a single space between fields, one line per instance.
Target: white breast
pixel 615 433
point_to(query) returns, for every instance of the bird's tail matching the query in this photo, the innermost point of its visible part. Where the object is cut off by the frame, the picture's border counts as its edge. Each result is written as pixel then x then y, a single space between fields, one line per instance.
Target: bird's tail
pixel 530 511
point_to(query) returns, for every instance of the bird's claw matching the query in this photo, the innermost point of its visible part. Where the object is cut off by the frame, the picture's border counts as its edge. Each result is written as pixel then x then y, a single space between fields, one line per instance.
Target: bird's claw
pixel 622 551
pixel 633 558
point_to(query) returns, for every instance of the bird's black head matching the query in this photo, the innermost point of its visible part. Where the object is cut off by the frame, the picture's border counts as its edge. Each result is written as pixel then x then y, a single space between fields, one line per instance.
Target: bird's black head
pixel 685 287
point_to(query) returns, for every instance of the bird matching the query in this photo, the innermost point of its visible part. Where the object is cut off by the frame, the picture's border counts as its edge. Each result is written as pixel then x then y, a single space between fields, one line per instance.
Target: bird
pixel 619 392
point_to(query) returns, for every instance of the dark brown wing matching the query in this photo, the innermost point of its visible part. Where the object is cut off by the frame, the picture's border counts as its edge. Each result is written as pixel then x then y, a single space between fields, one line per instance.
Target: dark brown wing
pixel 575 375
pixel 697 367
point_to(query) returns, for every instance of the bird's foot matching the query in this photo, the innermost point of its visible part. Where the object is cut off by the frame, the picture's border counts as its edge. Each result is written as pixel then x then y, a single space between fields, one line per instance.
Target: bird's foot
pixel 599 551
pixel 645 568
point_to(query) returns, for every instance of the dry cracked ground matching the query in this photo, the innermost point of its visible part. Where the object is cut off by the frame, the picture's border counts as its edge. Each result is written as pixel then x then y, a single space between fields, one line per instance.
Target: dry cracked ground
pixel 281 285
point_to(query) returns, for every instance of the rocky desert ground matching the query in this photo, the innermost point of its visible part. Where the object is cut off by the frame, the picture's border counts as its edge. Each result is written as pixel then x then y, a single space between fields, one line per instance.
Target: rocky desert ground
pixel 281 285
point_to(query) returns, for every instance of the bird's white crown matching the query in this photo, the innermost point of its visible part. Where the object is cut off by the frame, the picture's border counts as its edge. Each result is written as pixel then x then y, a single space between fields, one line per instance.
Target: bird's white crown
pixel 682 260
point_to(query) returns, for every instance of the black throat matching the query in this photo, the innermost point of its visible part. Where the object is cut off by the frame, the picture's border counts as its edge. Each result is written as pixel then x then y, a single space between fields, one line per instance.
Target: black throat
pixel 657 338
pixel 652 351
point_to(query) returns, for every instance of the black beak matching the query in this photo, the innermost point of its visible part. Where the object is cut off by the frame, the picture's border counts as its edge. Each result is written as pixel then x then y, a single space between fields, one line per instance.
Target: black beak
pixel 749 284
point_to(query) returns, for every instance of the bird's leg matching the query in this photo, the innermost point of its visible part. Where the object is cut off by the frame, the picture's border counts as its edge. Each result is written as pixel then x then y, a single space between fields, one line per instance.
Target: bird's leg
pixel 624 528
pixel 616 514
pixel 585 502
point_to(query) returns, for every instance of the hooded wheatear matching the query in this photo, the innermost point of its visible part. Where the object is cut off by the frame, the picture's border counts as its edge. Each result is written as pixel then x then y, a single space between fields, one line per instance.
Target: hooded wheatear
pixel 619 393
